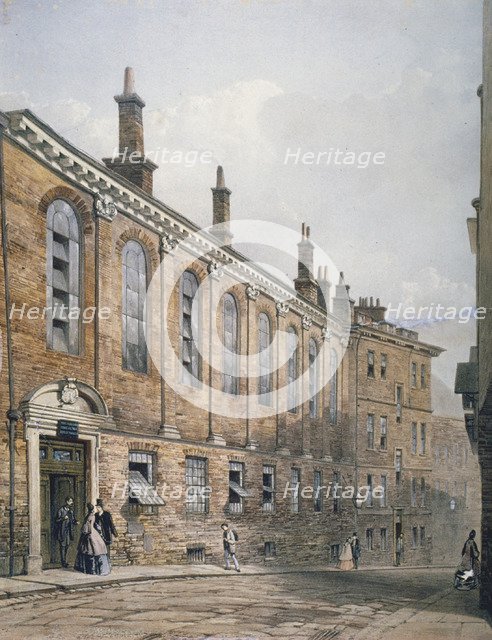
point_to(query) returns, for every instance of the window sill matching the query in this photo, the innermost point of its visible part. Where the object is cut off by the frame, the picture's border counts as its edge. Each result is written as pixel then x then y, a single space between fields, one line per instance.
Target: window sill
pixel 143 509
pixel 65 353
pixel 140 374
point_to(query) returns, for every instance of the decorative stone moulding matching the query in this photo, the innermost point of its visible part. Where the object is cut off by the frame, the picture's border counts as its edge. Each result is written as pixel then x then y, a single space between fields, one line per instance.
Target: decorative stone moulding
pixel 307 321
pixel 105 208
pixel 253 291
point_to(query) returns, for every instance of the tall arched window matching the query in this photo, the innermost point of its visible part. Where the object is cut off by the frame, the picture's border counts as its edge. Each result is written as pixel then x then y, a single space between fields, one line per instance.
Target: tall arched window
pixel 190 356
pixel 292 368
pixel 231 344
pixel 313 378
pixel 264 339
pixel 333 386
pixel 63 278
pixel 134 349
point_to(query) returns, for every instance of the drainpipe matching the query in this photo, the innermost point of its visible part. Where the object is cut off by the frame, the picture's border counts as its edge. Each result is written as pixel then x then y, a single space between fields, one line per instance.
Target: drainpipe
pixel 356 438
pixel 12 414
pixel 96 301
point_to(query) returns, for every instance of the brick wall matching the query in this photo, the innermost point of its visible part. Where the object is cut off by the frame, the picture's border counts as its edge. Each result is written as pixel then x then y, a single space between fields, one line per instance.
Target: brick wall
pixel 134 401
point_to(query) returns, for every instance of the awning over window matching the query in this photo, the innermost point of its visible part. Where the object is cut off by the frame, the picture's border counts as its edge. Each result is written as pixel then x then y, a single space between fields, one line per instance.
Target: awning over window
pixel 466 381
pixel 241 491
pixel 142 490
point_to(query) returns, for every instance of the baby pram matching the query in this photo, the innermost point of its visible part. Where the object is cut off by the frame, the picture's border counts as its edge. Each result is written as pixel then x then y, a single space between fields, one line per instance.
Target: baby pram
pixel 466 580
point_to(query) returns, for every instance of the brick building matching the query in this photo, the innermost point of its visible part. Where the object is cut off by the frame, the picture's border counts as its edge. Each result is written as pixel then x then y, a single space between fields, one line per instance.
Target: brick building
pixel 390 376
pixel 90 415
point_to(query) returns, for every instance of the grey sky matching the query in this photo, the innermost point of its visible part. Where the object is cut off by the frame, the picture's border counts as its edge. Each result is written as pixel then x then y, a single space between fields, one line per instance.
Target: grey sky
pixel 247 80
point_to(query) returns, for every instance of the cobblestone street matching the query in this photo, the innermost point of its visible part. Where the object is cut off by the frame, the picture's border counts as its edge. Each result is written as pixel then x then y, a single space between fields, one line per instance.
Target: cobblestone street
pixel 308 604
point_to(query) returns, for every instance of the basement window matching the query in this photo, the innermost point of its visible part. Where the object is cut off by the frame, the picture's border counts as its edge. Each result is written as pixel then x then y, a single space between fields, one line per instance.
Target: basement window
pixel 195 555
pixel 270 549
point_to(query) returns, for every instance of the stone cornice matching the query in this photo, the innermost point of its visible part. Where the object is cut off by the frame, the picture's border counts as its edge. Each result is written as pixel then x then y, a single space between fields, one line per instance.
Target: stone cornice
pixel 373 333
pixel 43 143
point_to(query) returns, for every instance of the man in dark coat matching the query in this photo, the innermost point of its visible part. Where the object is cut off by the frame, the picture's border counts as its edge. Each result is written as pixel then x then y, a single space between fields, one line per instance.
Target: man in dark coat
pixel 105 524
pixel 355 546
pixel 64 529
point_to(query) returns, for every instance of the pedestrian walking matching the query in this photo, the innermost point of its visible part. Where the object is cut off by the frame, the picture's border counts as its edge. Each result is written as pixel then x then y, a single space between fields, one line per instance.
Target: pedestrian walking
pixel 356 550
pixel 92 553
pixel 399 550
pixel 346 561
pixel 229 540
pixel 64 529
pixel 468 573
pixel 105 525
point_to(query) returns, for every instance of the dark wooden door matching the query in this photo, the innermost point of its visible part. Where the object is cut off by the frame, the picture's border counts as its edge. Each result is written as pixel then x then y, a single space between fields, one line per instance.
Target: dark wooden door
pixel 62 476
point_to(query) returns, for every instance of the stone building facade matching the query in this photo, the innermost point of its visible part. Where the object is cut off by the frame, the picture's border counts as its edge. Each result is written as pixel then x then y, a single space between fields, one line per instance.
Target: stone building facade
pixel 390 376
pixel 89 414
pixel 455 491
pixel 474 378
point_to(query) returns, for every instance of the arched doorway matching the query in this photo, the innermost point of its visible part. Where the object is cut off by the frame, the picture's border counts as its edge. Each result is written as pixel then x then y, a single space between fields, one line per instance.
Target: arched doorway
pixel 62 422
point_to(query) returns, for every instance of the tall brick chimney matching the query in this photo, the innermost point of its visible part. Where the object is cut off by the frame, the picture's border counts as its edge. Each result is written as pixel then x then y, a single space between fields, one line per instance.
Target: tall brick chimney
pixel 367 308
pixel 324 286
pixel 342 303
pixel 131 162
pixel 305 282
pixel 222 208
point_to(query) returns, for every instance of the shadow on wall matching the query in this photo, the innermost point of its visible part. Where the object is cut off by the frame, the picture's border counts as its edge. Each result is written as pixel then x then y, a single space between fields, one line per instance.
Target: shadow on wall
pixel 452 522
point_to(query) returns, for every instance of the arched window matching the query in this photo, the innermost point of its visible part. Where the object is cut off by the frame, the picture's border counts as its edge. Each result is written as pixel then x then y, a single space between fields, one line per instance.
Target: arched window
pixel 134 349
pixel 333 386
pixel 190 356
pixel 63 278
pixel 292 368
pixel 313 378
pixel 264 339
pixel 231 344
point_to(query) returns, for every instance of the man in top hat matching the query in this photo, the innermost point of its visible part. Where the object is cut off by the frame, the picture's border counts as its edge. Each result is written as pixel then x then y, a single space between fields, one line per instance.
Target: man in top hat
pixel 64 529
pixel 104 522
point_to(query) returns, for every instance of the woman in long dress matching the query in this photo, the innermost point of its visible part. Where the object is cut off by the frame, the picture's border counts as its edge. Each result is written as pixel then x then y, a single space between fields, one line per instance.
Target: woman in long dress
pixel 468 574
pixel 346 560
pixel 92 553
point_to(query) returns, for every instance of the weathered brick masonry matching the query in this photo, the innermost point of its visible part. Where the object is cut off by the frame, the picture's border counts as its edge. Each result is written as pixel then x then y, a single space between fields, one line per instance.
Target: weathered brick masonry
pixel 131 423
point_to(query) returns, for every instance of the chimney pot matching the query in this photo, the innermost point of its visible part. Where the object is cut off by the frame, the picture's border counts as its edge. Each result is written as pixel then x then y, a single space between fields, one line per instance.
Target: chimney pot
pixel 129 86
pixel 220 178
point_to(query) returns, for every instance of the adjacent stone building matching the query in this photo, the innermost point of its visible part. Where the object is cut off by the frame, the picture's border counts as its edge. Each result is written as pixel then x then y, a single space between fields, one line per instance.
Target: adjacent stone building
pixel 390 377
pixel 90 415
pixel 455 492
pixel 474 378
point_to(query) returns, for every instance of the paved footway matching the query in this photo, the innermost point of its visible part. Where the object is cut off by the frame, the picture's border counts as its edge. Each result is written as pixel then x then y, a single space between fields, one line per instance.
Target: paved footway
pixel 308 604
